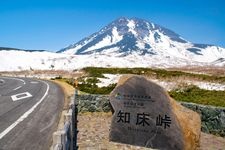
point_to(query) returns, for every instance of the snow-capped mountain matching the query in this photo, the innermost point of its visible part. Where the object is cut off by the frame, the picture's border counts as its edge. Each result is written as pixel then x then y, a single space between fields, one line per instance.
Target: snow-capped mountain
pixel 124 37
pixel 123 43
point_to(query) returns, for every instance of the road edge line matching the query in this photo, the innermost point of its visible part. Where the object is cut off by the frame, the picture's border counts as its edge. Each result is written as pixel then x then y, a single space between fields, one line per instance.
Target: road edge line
pixel 25 115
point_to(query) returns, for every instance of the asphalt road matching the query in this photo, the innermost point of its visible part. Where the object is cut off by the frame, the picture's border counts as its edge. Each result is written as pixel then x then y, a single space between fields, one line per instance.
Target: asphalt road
pixel 29 113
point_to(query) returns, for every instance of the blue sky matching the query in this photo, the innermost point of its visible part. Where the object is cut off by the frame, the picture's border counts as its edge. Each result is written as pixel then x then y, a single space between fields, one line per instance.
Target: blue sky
pixel 54 24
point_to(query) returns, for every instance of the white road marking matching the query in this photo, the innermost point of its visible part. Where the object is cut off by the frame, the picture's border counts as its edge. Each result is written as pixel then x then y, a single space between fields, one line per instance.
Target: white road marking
pixel 21 96
pixel 25 115
pixel 34 82
pixel 15 79
pixel 17 88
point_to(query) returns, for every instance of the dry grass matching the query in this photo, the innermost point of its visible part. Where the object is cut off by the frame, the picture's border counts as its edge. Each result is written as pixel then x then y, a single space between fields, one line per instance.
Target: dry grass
pixel 68 91
pixel 42 73
pixel 219 71
pixel 94 131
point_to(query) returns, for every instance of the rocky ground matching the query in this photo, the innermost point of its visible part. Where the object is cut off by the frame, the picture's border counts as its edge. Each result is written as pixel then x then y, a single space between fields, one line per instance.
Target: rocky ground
pixel 94 130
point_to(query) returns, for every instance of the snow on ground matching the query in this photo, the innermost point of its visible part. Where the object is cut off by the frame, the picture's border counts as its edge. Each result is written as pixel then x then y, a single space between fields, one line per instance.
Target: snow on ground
pixel 114 78
pixel 21 60
pixel 110 79
pixel 202 85
pixel 209 86
pixel 165 84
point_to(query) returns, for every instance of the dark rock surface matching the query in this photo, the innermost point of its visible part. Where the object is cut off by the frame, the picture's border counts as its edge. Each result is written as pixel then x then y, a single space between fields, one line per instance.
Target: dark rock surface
pixel 144 116
pixel 213 118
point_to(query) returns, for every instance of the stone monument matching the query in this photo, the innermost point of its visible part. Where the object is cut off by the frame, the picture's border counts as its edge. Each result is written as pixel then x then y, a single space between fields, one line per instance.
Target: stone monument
pixel 144 115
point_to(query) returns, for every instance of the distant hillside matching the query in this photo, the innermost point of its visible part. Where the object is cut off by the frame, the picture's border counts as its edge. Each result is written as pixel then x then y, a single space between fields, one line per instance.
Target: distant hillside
pixel 10 48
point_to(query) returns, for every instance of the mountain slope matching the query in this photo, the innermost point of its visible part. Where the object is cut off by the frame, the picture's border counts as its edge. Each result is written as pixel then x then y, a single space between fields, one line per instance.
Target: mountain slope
pixel 125 37
pixel 123 43
pixel 17 60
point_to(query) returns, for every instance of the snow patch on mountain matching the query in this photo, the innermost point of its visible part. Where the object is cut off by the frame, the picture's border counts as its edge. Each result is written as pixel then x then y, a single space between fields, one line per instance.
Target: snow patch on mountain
pixel 115 36
pixel 105 41
pixel 131 24
pixel 123 43
pixel 124 37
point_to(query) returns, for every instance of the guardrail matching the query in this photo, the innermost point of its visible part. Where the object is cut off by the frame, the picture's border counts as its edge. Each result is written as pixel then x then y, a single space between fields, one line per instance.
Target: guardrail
pixel 66 139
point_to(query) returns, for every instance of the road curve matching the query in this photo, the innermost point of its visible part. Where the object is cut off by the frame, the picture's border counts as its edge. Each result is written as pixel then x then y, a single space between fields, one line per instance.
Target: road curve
pixel 29 113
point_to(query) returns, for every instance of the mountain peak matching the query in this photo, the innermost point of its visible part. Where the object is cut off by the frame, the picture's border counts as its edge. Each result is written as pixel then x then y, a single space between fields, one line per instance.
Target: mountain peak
pixel 126 20
pixel 124 36
pixel 125 42
pixel 127 36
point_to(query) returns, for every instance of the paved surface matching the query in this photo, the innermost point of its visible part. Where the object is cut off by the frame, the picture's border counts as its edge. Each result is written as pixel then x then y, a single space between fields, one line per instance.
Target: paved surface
pixel 29 112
